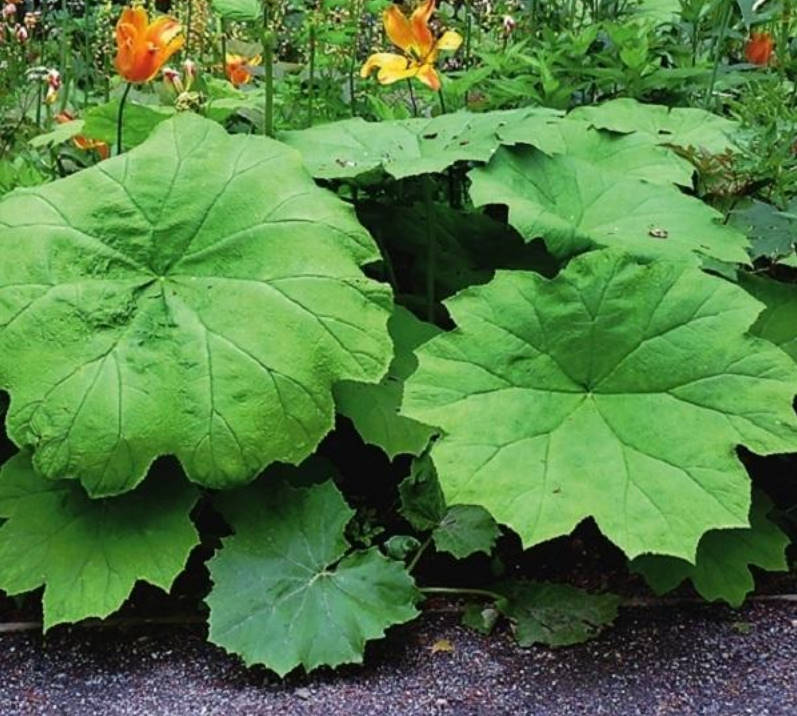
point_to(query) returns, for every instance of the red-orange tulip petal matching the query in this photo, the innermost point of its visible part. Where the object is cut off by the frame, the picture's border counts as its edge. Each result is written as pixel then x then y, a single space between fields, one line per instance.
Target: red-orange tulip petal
pixel 759 48
pixel 144 47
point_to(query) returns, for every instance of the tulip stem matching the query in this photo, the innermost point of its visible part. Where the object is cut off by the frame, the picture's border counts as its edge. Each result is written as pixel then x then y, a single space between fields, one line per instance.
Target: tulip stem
pixel 440 94
pixel 120 117
pixel 268 51
pixel 726 19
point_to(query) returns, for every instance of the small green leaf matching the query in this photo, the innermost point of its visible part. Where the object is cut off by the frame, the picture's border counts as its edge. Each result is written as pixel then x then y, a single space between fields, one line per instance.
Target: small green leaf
pixel 240 10
pixel 288 591
pixel 615 390
pixel 778 322
pixel 401 546
pixel 465 530
pixel 374 408
pixel 422 501
pixel 198 296
pixel 772 233
pixel 555 614
pixel 480 618
pixel 89 553
pixel 575 205
pixel 721 571
pixel 99 122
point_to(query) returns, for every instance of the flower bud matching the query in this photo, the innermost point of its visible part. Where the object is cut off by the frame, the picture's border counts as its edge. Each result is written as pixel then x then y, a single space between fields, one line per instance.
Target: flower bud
pixel 508 24
pixel 9 10
pixel 171 78
pixel 21 33
pixel 189 67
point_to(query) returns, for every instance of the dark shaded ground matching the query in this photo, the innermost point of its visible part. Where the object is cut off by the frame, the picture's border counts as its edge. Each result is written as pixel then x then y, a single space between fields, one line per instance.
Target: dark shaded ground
pixel 656 660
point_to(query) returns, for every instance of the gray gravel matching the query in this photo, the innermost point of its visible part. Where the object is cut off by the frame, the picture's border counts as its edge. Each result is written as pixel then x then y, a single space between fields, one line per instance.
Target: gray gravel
pixel 656 660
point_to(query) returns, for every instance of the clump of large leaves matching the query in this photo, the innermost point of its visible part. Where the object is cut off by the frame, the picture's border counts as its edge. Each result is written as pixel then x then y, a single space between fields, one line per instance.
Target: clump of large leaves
pixel 88 553
pixel 615 390
pixel 288 590
pixel 198 296
pixel 577 202
pixel 721 569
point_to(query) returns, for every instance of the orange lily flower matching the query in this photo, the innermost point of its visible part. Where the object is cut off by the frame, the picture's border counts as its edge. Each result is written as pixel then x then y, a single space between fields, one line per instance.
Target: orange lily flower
pixel 759 48
pixel 418 44
pixel 82 142
pixel 143 47
pixel 237 68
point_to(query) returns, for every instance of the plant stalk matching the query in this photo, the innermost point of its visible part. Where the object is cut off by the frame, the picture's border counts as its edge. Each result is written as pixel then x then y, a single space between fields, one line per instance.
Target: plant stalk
pixel 120 117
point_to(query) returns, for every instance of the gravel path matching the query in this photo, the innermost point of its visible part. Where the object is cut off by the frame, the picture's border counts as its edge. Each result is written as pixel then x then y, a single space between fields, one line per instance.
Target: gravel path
pixel 656 660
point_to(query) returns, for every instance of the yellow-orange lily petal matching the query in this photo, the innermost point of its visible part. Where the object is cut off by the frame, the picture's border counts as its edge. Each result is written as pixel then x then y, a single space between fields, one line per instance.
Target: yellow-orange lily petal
pixel 416 40
pixel 419 21
pixel 428 75
pixel 449 40
pixel 392 68
pixel 142 48
pixel 398 28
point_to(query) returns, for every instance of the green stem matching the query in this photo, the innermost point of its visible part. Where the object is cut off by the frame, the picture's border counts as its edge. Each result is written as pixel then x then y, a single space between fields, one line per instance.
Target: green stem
pixel 440 94
pixel 188 20
pixel 419 553
pixel 120 116
pixel 311 86
pixel 726 19
pixel 354 11
pixel 463 590
pixel 223 31
pixel 431 254
pixel 268 47
pixel 412 98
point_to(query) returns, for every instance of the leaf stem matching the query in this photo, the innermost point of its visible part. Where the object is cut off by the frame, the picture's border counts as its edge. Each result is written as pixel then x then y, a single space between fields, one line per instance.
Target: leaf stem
pixel 412 98
pixel 419 553
pixel 463 590
pixel 120 117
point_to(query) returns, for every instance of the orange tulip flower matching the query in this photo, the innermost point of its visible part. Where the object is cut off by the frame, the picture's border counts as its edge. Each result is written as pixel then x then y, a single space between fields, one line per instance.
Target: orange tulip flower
pixel 414 38
pixel 237 68
pixel 82 142
pixel 142 48
pixel 759 48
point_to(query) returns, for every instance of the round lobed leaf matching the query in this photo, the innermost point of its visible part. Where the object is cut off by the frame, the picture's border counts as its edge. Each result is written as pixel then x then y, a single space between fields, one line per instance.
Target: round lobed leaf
pixel 198 296
pixel 615 390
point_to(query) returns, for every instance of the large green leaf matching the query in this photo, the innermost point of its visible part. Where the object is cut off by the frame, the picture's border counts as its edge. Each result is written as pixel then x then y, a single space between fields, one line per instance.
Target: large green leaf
pixel 374 408
pixel 633 155
pixel 677 126
pixel 409 147
pixel 288 591
pixel 721 571
pixel 100 122
pixel 555 614
pixel 89 553
pixel 422 501
pixel 575 204
pixel 778 322
pixel 198 296
pixel 615 390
